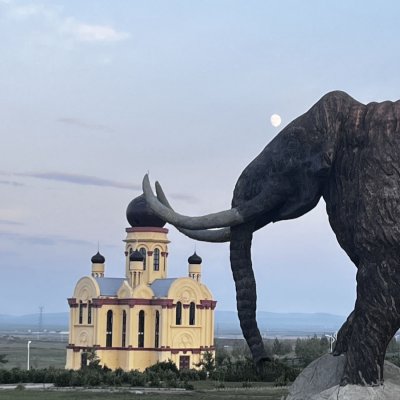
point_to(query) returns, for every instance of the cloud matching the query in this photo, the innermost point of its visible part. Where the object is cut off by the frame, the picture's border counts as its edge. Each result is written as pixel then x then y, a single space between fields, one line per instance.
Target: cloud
pixel 87 125
pixel 82 180
pixel 93 33
pixel 11 183
pixel 69 26
pixel 44 240
pixel 6 222
pixel 184 197
pixel 87 180
pixel 21 13
pixel 4 254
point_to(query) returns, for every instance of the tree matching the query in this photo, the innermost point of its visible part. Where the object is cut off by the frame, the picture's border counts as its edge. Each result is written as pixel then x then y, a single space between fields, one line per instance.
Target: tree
pixel 207 362
pixel 3 359
pixel 310 349
pixel 93 358
pixel 277 347
pixel 221 355
pixel 392 346
pixel 240 349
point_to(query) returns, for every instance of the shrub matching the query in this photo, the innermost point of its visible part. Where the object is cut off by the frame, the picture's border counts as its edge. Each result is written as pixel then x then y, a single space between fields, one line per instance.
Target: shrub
pixel 164 366
pixel 20 386
pixel 136 378
pixel 62 379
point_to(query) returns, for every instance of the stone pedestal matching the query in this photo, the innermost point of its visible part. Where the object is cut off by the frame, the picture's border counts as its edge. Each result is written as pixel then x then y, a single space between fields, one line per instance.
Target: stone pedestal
pixel 320 381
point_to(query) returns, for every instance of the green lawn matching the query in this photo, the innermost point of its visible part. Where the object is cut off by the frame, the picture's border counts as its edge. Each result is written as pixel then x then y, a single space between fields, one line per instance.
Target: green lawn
pixel 242 394
pixel 42 354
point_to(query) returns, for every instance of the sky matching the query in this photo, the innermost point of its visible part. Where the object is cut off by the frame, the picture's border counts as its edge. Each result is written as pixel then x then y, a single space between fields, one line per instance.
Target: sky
pixel 95 94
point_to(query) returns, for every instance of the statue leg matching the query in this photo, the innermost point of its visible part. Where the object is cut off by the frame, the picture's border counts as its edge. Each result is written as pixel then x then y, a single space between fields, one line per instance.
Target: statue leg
pixel 375 321
pixel 344 336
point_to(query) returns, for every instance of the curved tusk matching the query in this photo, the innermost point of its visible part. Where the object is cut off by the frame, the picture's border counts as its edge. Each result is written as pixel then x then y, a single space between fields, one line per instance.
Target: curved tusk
pixel 216 220
pixel 214 236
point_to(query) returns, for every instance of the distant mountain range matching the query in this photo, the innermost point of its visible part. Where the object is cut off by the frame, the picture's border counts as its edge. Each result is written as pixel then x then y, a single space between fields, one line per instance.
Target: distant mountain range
pixel 226 322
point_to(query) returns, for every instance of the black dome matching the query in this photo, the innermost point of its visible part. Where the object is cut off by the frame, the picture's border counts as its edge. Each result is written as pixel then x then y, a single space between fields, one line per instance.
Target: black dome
pixel 139 213
pixel 136 256
pixel 98 259
pixel 194 259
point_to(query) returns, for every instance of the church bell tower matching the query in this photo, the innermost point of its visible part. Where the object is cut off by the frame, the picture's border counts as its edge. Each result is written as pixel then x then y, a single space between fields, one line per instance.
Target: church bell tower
pixel 147 236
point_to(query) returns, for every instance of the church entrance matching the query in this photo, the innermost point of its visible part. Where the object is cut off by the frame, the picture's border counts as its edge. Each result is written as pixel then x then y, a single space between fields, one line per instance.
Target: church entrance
pixel 84 359
pixel 184 362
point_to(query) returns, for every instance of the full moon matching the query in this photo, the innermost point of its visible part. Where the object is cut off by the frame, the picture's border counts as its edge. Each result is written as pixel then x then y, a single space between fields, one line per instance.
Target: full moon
pixel 276 120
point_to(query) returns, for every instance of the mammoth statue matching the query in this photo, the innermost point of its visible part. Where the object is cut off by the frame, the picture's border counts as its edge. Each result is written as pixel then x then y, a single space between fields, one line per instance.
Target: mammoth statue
pixel 348 153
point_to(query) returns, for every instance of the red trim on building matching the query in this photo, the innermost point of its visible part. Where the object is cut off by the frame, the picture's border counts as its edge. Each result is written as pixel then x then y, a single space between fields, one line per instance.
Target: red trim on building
pixel 150 253
pixel 173 351
pixel 207 304
pixel 147 229
pixel 72 303
pixel 164 303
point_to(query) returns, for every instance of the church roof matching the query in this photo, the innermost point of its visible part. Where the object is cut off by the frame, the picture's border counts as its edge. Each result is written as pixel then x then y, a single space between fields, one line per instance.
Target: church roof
pixel 160 287
pixel 109 286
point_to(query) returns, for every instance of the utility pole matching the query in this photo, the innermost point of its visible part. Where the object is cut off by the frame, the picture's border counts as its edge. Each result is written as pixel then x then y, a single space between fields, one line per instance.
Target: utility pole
pixel 40 321
pixel 27 366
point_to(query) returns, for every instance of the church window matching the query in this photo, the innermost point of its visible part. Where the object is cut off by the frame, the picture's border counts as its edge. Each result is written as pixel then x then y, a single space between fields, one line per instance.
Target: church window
pixel 141 329
pixel 143 251
pixel 124 328
pixel 178 313
pixel 130 250
pixel 157 338
pixel 156 260
pixel 89 315
pixel 192 314
pixel 80 312
pixel 109 328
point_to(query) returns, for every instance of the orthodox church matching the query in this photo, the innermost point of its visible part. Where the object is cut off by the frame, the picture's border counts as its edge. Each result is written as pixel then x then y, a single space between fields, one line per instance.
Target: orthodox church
pixel 143 317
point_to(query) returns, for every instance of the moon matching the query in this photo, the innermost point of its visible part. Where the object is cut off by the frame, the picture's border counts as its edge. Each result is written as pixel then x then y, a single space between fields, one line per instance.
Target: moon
pixel 276 120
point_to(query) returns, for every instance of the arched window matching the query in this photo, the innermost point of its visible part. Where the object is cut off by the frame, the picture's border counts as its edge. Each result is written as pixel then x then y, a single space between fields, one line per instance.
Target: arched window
pixel 157 337
pixel 124 328
pixel 130 250
pixel 80 312
pixel 89 314
pixel 192 314
pixel 109 328
pixel 178 313
pixel 141 329
pixel 156 262
pixel 144 253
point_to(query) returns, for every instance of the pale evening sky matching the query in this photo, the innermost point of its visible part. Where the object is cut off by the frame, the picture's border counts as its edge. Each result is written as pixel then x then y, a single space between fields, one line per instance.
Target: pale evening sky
pixel 96 93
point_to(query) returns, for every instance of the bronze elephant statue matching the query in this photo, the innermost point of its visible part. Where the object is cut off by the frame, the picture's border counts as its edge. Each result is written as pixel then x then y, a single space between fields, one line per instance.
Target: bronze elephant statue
pixel 349 154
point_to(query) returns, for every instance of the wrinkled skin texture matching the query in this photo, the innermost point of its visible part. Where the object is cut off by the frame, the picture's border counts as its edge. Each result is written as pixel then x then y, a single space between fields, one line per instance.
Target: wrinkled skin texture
pixel 349 154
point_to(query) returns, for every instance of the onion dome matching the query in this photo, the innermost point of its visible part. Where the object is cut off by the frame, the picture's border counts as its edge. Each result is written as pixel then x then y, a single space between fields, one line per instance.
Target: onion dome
pixel 194 259
pixel 136 256
pixel 139 214
pixel 98 259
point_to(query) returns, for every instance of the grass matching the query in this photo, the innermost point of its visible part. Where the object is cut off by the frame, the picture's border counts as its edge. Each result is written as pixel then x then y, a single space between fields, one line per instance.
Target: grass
pixel 256 394
pixel 210 385
pixel 42 354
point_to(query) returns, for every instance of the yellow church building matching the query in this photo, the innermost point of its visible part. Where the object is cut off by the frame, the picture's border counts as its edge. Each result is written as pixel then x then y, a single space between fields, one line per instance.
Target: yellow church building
pixel 144 317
